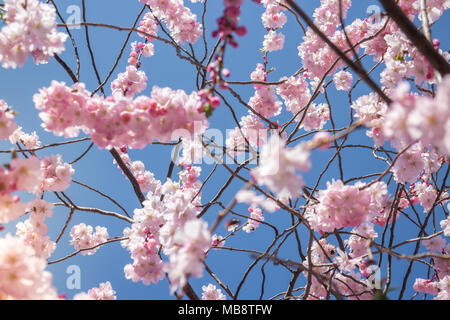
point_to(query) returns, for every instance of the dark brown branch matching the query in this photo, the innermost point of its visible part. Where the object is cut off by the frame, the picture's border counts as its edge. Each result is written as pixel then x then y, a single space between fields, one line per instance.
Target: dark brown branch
pixel 129 175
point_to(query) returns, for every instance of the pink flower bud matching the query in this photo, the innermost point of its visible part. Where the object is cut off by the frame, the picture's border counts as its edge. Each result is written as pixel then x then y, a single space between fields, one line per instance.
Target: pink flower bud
pixel 226 72
pixel 241 31
pixel 215 101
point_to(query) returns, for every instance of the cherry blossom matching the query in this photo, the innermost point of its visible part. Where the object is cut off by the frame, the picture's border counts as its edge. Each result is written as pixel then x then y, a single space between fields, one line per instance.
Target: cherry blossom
pixel 145 178
pixel 31 141
pixel 22 273
pixel 120 120
pixel 269 152
pixel 210 292
pixel 253 222
pixel 7 124
pixel 436 244
pixel 57 174
pixel 30 30
pixel 273 17
pixel 445 225
pixel 34 230
pixel 169 223
pixel 295 93
pixel 278 165
pixel 84 237
pixel 273 41
pixel 179 19
pixel 130 82
pixel 103 292
pixel 191 242
pixel 343 80
pixel 344 205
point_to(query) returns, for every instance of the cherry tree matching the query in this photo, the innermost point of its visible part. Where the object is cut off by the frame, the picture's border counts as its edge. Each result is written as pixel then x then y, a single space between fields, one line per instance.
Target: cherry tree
pixel 286 156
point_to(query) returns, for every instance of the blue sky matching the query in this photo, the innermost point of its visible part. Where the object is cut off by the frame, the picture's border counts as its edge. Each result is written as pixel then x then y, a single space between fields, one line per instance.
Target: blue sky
pixel 17 88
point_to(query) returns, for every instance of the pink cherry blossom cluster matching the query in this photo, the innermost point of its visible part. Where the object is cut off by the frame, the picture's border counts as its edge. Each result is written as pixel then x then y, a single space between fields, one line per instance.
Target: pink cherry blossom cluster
pixel 426 194
pixel 256 216
pixel 7 124
pixel 62 108
pixel 315 118
pixel 386 216
pixel 189 177
pixel 295 93
pixel 319 253
pixel 210 292
pixel 436 244
pixel 409 165
pixel 440 287
pixel 435 9
pixel 184 238
pixel 317 57
pixel 34 176
pixel 217 241
pixel 30 30
pixel 228 23
pixel 148 25
pixel 31 141
pixel 278 166
pixel 326 16
pixel 22 272
pixel 145 178
pixel 426 286
pixel 370 110
pixel 347 281
pixel 168 221
pixel 273 41
pixel 422 118
pixel 180 21
pixel 357 242
pixel 264 101
pixel 402 59
pixel 192 151
pixel 251 130
pixel 442 267
pixel 343 80
pixel 343 205
pixel 143 240
pixel 445 225
pixel 23 174
pixel 33 231
pixel 103 292
pixel 149 28
pixel 216 70
pixel 119 120
pixel 129 83
pixel 190 244
pixel 84 237
pixel 57 174
pixel 140 49
pixel 273 17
